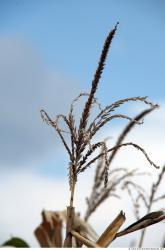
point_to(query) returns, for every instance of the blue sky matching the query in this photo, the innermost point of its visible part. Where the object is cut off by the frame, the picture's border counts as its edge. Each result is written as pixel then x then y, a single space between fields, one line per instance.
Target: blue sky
pixel 69 35
pixel 49 52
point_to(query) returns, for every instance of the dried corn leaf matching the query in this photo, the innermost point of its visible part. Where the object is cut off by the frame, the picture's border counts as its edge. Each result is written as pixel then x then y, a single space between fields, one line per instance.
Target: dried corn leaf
pixel 49 232
pixel 145 221
pixel 109 234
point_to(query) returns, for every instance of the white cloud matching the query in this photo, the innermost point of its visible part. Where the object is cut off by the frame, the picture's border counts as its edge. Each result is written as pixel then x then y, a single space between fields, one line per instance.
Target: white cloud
pixel 24 195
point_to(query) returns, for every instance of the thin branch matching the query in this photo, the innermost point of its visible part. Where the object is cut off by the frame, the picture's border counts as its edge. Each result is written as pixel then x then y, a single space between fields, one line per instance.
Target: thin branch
pixel 159 198
pixel 81 95
pixel 121 145
pixel 111 108
pixel 46 118
pixel 102 122
pixel 127 130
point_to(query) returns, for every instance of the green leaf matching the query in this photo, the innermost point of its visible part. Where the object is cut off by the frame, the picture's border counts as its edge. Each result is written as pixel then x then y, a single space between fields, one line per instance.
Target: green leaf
pixel 15 242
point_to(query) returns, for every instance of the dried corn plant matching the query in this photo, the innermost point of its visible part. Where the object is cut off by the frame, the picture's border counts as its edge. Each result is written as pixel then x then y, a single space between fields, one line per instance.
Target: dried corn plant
pixel 139 198
pixel 83 152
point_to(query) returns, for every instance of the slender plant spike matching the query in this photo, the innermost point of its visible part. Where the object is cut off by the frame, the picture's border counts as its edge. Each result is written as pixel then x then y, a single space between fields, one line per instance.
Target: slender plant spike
pixel 97 77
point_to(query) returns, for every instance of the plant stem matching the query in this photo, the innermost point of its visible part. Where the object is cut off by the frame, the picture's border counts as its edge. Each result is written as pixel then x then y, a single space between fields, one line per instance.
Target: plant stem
pixel 84 240
pixel 144 230
pixel 70 218
pixel 72 194
pixel 142 237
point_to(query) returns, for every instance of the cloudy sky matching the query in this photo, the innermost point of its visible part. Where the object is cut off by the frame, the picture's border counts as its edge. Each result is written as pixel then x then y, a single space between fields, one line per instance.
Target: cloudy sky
pixel 48 54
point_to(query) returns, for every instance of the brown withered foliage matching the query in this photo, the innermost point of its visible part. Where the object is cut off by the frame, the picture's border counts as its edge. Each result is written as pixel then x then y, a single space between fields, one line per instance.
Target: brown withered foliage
pixel 49 232
pixel 83 153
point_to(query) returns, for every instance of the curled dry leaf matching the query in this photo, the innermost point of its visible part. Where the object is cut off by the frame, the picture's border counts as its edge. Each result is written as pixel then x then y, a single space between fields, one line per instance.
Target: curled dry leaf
pixel 144 222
